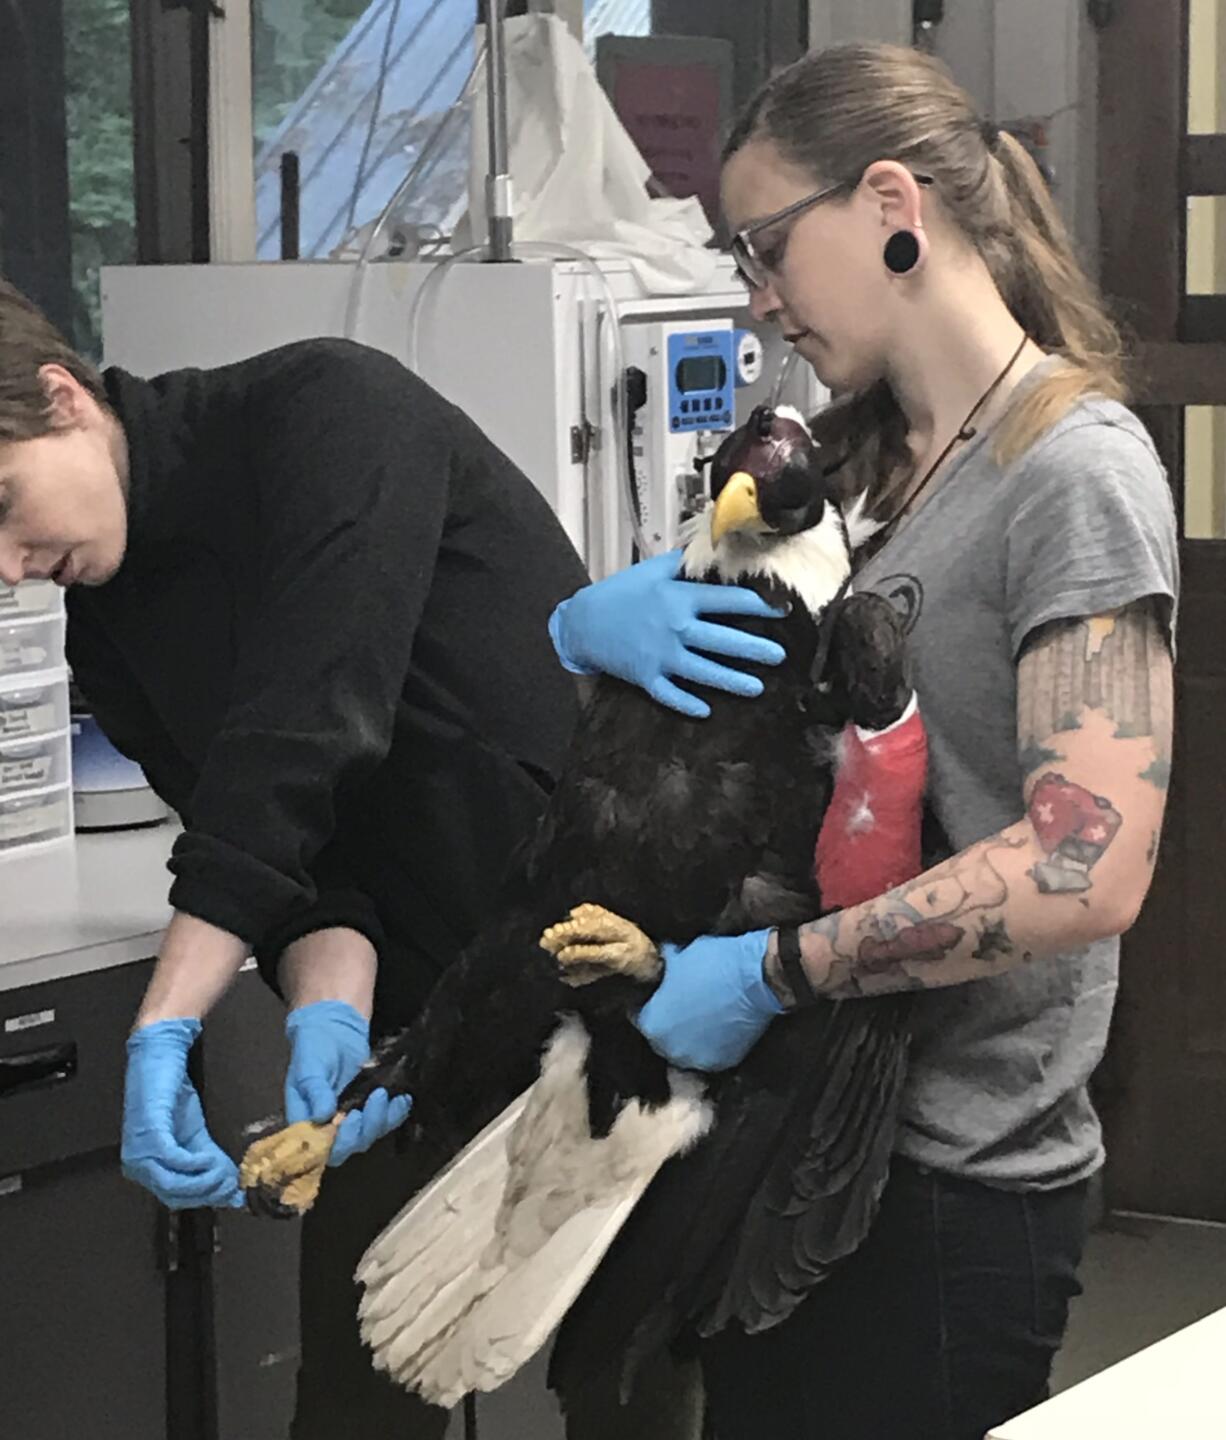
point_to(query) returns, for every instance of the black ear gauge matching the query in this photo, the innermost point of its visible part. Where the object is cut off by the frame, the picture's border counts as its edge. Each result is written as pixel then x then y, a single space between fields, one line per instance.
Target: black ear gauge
pixel 902 252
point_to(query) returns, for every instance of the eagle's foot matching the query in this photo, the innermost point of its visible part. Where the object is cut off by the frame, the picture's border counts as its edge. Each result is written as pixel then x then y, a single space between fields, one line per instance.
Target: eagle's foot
pixel 282 1172
pixel 593 943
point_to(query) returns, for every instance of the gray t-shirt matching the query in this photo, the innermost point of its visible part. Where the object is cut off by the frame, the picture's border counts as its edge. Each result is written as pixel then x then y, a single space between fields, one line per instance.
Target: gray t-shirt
pixel 1081 523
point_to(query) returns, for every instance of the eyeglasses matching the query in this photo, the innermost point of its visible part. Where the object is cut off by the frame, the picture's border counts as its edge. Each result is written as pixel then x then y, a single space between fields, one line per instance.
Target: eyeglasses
pixel 755 264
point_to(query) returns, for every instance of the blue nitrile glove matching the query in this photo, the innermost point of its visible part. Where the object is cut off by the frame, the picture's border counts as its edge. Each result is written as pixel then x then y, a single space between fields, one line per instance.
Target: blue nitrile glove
pixel 642 625
pixel 166 1146
pixel 330 1042
pixel 713 1003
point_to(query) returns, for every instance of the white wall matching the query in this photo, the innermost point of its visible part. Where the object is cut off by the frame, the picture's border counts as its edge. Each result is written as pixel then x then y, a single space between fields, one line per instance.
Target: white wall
pixel 1035 60
pixel 831 21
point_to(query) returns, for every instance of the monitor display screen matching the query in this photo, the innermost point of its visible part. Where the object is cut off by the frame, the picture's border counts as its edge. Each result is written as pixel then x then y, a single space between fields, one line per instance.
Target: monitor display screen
pixel 701 372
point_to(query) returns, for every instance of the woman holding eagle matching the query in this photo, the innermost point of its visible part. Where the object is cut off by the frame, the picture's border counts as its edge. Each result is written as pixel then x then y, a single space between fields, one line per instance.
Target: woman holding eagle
pixel 1025 535
pixel 911 254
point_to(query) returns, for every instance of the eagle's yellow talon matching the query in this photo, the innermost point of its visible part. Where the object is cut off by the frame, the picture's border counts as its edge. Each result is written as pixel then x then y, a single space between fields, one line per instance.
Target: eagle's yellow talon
pixel 290 1163
pixel 593 942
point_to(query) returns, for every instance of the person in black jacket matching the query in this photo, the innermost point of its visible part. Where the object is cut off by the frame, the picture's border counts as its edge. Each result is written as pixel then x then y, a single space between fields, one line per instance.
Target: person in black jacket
pixel 310 598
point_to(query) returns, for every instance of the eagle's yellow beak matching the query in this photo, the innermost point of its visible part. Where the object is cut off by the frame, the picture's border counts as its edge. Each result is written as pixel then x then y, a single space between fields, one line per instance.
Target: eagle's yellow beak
pixel 736 507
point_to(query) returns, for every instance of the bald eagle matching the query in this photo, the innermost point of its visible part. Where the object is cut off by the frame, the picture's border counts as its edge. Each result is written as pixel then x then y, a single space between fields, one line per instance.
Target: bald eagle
pixel 624 1200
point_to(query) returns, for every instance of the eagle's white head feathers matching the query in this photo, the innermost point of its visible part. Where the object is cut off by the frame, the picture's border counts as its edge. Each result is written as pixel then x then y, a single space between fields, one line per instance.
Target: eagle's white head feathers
pixel 815 562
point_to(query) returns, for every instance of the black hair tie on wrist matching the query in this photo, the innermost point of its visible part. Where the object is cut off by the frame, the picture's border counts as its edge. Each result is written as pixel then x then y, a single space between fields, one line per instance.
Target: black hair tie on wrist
pixel 793 967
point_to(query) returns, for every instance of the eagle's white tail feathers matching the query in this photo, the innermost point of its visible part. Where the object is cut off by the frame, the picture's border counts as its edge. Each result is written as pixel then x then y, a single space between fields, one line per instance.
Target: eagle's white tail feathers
pixel 474 1274
pixel 407 1273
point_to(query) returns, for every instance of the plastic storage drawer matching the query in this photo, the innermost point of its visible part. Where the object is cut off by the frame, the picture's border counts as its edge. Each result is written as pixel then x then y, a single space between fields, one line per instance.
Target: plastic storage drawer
pixel 34 818
pixel 33 705
pixel 35 597
pixel 38 764
pixel 30 645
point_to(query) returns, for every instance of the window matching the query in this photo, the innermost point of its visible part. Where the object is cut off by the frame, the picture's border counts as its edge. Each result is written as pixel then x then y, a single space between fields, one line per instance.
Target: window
pixel 358 92
pixel 614 17
pixel 66 166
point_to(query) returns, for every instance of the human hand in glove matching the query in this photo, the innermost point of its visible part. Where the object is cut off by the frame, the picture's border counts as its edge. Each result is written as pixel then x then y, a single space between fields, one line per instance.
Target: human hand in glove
pixel 166 1146
pixel 713 1004
pixel 330 1042
pixel 644 625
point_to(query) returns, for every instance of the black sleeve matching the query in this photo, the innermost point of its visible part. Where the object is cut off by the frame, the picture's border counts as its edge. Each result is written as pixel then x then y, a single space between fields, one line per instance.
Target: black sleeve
pixel 129 722
pixel 352 456
pixel 119 705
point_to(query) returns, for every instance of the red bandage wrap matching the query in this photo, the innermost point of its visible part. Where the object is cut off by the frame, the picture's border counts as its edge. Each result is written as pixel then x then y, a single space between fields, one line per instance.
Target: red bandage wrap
pixel 870 837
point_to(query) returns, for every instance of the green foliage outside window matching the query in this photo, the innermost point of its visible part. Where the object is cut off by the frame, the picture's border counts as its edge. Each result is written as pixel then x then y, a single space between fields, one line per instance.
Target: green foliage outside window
pixel 290 41
pixel 98 112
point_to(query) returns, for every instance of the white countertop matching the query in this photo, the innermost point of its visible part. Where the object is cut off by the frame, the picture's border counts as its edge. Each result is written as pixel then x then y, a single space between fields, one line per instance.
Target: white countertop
pixel 95 901
pixel 1174 1390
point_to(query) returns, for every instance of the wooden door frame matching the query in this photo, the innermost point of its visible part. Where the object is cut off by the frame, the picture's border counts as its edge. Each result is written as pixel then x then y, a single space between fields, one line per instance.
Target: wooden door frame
pixel 1163 1155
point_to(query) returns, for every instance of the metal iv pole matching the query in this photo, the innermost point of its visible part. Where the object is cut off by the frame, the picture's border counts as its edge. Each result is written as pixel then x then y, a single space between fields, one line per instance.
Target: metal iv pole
pixel 498 181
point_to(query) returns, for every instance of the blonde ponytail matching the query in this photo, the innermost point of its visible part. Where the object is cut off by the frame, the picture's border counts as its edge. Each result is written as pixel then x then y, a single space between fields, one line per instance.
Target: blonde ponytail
pixel 1053 299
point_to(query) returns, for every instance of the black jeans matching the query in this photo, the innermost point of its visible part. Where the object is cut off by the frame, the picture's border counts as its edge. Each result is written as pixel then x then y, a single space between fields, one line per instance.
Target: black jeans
pixel 944 1324
pixel 340 1393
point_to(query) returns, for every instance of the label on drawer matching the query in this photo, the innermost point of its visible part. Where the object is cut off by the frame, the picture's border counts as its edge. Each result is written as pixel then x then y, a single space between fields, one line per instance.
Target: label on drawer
pixel 29 599
pixel 17 654
pixel 28 720
pixel 29 1022
pixel 24 774
pixel 31 821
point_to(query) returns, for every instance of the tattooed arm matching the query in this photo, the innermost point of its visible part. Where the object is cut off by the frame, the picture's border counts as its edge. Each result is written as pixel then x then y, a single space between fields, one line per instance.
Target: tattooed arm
pixel 1094 731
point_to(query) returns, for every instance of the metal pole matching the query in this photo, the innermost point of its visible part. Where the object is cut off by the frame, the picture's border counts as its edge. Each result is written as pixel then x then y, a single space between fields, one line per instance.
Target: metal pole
pixel 498 181
pixel 290 202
